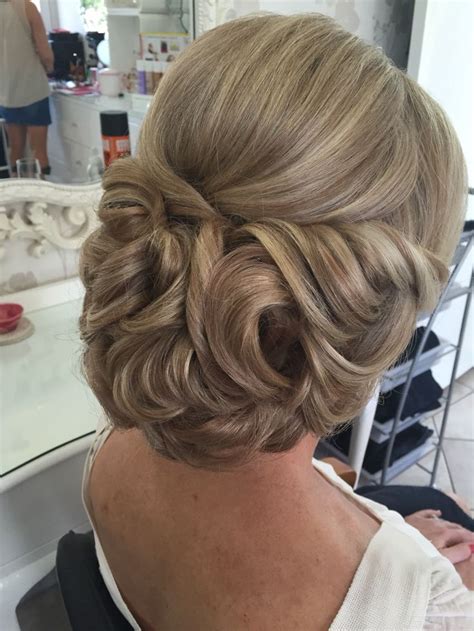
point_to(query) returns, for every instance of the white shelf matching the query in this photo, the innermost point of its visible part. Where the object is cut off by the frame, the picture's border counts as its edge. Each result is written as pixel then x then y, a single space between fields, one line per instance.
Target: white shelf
pixel 397 375
pixel 403 463
pixel 381 431
pixel 125 12
pixel 400 465
pixel 456 291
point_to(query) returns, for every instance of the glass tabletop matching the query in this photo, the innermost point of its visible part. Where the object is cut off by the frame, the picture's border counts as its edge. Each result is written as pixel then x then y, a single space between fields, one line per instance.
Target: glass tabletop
pixel 44 400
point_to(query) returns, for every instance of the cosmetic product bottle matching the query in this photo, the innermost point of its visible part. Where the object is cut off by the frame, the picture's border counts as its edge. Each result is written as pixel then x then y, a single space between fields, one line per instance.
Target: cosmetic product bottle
pixel 149 76
pixel 157 74
pixel 115 135
pixel 141 83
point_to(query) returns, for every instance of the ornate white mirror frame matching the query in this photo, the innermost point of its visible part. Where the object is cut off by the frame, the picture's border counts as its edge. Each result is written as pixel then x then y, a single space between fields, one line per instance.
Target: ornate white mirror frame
pixel 46 215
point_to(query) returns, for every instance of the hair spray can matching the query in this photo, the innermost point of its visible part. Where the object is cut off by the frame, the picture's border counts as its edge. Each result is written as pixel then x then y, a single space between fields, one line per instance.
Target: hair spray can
pixel 115 135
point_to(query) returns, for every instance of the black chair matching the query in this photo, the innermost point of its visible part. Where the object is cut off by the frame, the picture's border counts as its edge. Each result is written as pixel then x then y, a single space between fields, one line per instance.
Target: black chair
pixel 87 601
pixel 73 596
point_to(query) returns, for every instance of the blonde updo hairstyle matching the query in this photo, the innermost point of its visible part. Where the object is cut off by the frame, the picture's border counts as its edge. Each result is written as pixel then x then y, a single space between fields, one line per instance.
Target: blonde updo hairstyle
pixel 293 205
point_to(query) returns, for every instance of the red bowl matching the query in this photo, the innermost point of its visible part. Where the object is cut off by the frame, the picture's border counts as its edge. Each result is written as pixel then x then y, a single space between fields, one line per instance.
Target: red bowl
pixel 10 315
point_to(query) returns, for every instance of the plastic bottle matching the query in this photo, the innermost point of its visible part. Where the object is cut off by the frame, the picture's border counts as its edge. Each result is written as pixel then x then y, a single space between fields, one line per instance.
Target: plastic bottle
pixel 149 76
pixel 157 74
pixel 141 84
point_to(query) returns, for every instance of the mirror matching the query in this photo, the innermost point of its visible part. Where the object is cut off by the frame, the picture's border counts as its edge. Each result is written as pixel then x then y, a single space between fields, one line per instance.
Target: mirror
pixel 90 56
pixel 78 59
pixel 100 55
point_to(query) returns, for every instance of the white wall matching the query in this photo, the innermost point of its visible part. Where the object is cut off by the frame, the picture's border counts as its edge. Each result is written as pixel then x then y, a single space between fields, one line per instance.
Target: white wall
pixel 69 15
pixel 385 23
pixel 124 42
pixel 49 13
pixel 442 61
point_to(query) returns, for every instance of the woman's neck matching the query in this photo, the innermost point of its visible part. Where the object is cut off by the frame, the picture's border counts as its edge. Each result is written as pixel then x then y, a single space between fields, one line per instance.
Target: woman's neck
pixel 266 475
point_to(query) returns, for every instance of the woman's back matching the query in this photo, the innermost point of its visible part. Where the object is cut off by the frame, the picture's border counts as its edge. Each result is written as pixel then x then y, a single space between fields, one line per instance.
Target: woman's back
pixel 253 551
pixel 282 547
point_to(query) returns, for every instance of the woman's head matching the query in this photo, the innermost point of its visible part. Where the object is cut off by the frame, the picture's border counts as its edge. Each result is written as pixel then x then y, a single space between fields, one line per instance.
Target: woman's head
pixel 293 205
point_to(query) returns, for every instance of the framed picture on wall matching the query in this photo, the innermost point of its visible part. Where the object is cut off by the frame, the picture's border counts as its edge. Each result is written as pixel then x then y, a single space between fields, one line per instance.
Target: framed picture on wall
pixel 163 46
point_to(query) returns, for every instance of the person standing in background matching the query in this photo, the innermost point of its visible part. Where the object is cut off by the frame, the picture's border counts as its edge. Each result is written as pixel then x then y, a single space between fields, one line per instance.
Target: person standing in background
pixel 25 58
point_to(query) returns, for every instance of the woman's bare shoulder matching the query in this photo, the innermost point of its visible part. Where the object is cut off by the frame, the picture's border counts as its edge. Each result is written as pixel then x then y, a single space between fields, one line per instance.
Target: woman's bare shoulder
pixel 31 11
pixel 115 472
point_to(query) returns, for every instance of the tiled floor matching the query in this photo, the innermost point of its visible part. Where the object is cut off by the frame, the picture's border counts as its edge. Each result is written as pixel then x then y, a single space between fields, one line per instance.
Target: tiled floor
pixel 456 467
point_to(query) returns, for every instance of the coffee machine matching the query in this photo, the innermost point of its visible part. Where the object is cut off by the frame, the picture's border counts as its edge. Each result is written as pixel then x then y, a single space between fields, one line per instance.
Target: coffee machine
pixel 69 54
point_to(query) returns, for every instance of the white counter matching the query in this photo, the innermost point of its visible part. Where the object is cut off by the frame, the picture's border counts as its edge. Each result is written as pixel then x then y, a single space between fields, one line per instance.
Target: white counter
pixel 45 401
pixel 100 103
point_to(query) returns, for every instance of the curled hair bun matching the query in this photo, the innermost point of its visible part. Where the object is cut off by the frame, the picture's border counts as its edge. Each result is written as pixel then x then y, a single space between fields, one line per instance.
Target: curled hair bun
pixel 242 294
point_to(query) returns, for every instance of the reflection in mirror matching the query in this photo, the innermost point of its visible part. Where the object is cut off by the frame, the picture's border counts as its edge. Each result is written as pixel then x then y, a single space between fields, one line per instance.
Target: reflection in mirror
pixel 79 58
pixel 88 71
pixel 42 228
pixel 65 65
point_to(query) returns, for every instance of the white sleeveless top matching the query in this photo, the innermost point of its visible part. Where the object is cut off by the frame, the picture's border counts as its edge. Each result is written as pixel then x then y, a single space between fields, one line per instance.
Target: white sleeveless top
pixel 23 79
pixel 402 584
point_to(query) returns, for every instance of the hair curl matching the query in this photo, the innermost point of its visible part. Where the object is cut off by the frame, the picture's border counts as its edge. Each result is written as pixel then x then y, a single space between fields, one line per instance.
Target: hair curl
pixel 294 203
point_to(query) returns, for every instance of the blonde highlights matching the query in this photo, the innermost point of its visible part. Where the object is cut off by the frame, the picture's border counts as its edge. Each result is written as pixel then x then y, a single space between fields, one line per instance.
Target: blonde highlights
pixel 294 203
